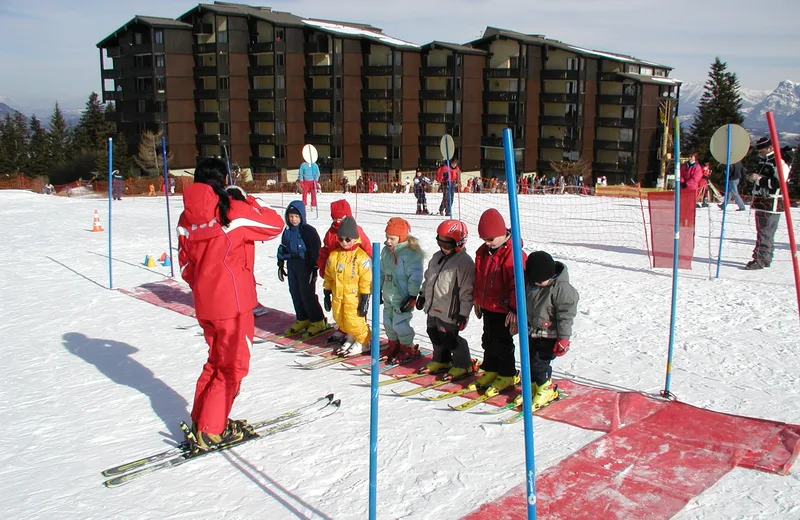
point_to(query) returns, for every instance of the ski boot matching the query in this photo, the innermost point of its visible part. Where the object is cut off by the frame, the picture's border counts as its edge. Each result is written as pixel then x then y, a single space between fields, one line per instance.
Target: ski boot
pixel 545 393
pixel 337 337
pixel 434 367
pixel 405 352
pixel 457 372
pixel 502 383
pixel 484 381
pixel 316 327
pixel 298 327
pixel 391 350
pixel 203 441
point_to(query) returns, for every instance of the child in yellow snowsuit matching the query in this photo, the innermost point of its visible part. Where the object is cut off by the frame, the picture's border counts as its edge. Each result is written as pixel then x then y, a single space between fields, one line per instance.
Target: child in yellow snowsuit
pixel 347 287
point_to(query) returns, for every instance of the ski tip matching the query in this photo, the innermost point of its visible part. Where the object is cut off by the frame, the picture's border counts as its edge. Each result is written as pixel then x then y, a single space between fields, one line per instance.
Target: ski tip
pixel 329 397
pixel 337 403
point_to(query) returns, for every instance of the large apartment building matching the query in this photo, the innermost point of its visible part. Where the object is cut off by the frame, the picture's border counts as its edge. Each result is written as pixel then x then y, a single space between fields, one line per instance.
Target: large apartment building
pixel 255 85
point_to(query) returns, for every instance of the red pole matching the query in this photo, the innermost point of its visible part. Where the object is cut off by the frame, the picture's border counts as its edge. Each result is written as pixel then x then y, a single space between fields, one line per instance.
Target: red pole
pixel 787 206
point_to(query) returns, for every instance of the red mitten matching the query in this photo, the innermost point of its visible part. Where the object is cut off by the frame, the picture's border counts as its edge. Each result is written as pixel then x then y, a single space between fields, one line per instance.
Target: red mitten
pixel 561 347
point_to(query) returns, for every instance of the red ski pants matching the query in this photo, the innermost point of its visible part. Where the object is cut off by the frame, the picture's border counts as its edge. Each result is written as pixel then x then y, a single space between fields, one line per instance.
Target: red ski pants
pixel 309 186
pixel 229 343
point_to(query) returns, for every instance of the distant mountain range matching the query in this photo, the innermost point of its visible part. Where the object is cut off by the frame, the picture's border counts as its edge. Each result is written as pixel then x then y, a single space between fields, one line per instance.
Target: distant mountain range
pixel 5 109
pixel 71 116
pixel 783 102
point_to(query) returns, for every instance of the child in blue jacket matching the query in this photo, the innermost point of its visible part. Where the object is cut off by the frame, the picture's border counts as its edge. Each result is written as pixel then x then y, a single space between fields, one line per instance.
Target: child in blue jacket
pixel 297 260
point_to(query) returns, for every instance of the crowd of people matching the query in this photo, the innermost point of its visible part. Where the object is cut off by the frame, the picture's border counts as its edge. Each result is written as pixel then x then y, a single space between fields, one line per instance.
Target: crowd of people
pixel 217 232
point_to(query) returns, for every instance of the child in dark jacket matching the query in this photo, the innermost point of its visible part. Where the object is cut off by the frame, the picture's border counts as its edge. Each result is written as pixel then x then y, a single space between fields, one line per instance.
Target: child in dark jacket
pixel 552 305
pixel 496 303
pixel 297 260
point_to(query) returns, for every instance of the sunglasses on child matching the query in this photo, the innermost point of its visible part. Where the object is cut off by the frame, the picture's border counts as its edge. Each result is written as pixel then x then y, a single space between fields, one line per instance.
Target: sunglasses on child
pixel 345 240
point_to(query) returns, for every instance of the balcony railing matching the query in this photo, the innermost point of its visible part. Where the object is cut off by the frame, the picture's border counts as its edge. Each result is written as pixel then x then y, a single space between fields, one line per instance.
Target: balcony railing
pixel 142 117
pixel 558 97
pixel 428 164
pixel 497 142
pixel 205 93
pixel 204 48
pixel 261 93
pixel 560 74
pixel 376 117
pixel 616 122
pixel 558 120
pixel 317 47
pixel 207 138
pixel 380 139
pixel 430 140
pixel 616 100
pixel 113 52
pixel 206 117
pixel 368 163
pixel 319 116
pixel 262 138
pixel 261 47
pixel 269 162
pixel 608 76
pixel 210 70
pixel 437 71
pixel 142 48
pixel 436 94
pixel 554 142
pixel 319 138
pixel 320 70
pixel 376 93
pixel 261 70
pixel 498 164
pixel 319 93
pixel 625 146
pixel 618 167
pixel 499 95
pixel 376 70
pixel 111 95
pixel 501 72
pixel 436 118
pixel 262 116
pixel 498 119
pixel 111 74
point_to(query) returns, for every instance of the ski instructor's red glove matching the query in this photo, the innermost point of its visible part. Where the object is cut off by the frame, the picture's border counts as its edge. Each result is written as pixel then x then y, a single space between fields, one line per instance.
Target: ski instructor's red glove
pixel 561 347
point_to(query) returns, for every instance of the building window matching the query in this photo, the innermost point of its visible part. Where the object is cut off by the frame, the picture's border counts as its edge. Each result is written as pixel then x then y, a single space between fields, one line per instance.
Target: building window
pixel 160 83
pixel 628 89
pixel 224 83
pixel 395 152
pixel 339 82
pixel 337 151
pixel 626 134
pixel 280 82
pixel 459 60
pixel 141 106
pixel 280 151
pixel 520 133
pixel 572 87
pixel 632 69
pixel 646 71
pixel 222 59
pixel 279 35
pixel 142 128
pixel 571 110
pixel 224 106
pixel 159 60
pixel 660 73
pixel 281 59
pixel 456 130
pixel 625 157
pixel 458 107
pixel 280 128
pixel 338 105
pixel 572 63
pixel 161 106
pixel 159 36
pixel 225 129
pixel 627 112
pixel 398 82
pixel 281 105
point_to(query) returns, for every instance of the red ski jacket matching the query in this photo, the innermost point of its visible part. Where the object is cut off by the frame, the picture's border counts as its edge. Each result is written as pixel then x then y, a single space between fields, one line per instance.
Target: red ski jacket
pixel 217 261
pixel 494 278
pixel 339 209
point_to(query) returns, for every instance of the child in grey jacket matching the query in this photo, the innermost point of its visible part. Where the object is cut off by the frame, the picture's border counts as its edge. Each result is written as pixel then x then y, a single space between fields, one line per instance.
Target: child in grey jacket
pixel 552 305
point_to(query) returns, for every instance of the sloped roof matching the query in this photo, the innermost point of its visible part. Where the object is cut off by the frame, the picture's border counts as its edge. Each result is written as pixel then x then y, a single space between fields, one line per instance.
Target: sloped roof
pixel 463 49
pixel 152 21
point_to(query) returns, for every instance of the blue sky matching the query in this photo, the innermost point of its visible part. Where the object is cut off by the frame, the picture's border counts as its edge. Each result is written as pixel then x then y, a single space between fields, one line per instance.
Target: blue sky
pixel 48 53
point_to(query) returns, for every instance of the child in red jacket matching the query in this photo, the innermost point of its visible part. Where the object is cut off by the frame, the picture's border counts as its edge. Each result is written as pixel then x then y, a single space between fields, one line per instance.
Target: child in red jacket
pixel 215 235
pixel 495 303
pixel 340 209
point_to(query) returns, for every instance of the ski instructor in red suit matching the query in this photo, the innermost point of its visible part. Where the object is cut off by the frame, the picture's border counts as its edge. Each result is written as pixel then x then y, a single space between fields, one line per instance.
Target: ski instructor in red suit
pixel 215 233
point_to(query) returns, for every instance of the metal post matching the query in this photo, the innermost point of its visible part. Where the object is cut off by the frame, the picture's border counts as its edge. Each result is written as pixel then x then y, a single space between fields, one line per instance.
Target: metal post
pixel 522 322
pixel 448 184
pixel 375 354
pixel 110 186
pixel 166 197
pixel 724 200
pixel 675 252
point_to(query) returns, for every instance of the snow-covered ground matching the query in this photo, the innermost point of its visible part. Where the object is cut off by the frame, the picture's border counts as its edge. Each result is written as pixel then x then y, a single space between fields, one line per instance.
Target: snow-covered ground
pixel 93 377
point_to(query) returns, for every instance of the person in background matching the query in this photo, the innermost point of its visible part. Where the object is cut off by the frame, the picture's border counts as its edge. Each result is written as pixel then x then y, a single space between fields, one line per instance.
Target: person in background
pixel 691 173
pixel 448 178
pixel 420 184
pixel 767 203
pixel 735 175
pixel 308 177
pixel 118 185
pixel 214 235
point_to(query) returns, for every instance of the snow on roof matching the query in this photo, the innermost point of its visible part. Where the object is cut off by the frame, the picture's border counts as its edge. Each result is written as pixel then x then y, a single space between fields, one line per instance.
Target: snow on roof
pixel 359 32
pixel 604 54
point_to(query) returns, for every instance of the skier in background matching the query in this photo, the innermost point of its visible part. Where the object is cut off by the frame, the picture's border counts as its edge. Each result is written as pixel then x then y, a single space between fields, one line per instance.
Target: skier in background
pixel 308 176
pixel 420 184
pixel 214 233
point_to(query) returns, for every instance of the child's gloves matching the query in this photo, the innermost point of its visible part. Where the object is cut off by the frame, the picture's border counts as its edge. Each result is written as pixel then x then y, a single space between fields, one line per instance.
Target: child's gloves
pixel 312 279
pixel 327 299
pixel 461 321
pixel 420 302
pixel 363 305
pixel 511 322
pixel 281 270
pixel 478 312
pixel 408 303
pixel 561 347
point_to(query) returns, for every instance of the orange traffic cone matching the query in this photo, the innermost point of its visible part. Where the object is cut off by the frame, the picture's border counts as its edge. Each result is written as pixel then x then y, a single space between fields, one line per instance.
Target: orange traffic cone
pixel 96 223
pixel 162 257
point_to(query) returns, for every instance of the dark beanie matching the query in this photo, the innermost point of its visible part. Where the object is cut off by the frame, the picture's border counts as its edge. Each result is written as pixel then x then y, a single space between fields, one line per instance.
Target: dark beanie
pixel 348 228
pixel 763 143
pixel 540 267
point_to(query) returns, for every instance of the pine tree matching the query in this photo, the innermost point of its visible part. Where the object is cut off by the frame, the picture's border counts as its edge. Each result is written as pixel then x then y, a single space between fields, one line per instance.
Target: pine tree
pixel 14 144
pixel 120 158
pixel 59 138
pixel 38 150
pixel 150 158
pixel 92 129
pixel 720 105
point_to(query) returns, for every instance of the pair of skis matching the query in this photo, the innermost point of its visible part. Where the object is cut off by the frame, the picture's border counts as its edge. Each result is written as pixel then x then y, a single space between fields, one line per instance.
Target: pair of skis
pixel 175 456
pixel 516 406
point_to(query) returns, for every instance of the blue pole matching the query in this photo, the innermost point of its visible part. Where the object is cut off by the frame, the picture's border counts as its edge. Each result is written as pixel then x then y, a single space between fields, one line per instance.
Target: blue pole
pixel 725 199
pixel 110 185
pixel 675 252
pixel 166 197
pixel 522 321
pixel 375 352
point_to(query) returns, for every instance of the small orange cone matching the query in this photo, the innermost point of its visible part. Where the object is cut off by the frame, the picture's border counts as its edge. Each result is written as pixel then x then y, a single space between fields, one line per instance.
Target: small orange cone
pixel 162 257
pixel 96 227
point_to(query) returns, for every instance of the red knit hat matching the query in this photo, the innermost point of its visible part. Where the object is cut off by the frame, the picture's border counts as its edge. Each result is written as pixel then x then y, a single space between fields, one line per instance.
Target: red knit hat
pixel 491 224
pixel 398 227
pixel 340 209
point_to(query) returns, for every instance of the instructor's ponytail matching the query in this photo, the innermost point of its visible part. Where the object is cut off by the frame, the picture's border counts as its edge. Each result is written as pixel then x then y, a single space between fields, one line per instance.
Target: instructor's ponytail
pixel 214 172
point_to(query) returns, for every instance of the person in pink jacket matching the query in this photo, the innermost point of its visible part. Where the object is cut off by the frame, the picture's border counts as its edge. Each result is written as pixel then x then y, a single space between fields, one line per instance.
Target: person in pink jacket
pixel 691 173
